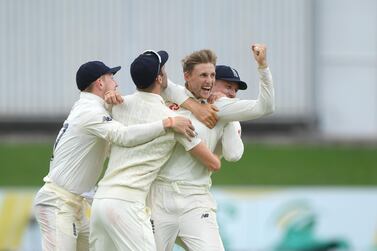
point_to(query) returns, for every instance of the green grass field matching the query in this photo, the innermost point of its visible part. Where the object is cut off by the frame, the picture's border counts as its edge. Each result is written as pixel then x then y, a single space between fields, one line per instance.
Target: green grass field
pixel 262 164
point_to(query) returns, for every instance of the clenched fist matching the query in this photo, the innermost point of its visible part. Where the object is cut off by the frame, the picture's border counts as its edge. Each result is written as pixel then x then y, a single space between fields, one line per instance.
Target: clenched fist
pixel 113 97
pixel 259 52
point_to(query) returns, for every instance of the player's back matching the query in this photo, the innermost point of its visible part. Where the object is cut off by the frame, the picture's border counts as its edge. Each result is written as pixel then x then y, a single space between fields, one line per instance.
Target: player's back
pixel 135 168
pixel 78 155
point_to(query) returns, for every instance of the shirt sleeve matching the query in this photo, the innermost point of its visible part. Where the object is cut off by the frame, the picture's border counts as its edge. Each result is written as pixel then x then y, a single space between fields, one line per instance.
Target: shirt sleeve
pixel 174 93
pixel 231 142
pixel 242 110
pixel 188 145
pixel 103 126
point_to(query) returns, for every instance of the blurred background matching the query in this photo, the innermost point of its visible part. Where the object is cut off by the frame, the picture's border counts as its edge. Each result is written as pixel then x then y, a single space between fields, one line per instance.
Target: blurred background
pixel 308 178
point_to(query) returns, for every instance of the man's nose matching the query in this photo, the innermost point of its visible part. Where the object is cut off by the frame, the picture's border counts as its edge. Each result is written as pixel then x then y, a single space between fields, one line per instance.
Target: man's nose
pixel 232 94
pixel 208 79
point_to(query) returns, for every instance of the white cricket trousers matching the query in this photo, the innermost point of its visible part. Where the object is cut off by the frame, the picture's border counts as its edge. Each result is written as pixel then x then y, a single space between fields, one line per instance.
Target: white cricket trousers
pixel 63 219
pixel 120 225
pixel 187 212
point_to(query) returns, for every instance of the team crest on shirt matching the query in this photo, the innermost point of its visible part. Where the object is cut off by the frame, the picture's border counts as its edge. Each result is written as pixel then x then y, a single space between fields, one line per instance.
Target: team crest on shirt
pixel 174 106
pixel 106 118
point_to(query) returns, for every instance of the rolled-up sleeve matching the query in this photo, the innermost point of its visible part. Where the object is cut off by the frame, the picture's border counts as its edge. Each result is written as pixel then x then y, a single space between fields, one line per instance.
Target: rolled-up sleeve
pixel 188 145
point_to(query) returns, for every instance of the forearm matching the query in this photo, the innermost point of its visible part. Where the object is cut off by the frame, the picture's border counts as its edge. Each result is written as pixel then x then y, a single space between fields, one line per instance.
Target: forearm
pixel 266 94
pixel 191 105
pixel 206 157
pixel 129 136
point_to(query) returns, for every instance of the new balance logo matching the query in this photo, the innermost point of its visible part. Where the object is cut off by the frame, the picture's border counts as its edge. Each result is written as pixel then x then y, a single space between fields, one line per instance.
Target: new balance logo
pixel 106 118
pixel 204 216
pixel 152 223
pixel 74 229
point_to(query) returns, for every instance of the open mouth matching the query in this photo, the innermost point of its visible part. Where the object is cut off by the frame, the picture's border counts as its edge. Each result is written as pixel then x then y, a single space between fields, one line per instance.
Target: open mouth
pixel 206 89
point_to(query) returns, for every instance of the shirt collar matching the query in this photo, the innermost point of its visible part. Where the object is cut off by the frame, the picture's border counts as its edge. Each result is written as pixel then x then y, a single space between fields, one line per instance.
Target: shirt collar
pixel 150 96
pixel 191 95
pixel 91 96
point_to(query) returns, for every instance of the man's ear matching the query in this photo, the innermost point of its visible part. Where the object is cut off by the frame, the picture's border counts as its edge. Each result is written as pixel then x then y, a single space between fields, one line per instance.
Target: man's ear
pixel 99 83
pixel 159 78
pixel 187 76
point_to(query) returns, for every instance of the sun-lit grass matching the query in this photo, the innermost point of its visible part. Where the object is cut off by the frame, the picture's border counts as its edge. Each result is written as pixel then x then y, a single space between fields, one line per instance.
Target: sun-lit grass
pixel 27 164
pixel 301 165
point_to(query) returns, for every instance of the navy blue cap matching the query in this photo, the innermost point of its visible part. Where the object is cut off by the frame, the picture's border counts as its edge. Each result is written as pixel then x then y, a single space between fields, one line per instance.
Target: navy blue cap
pixel 90 71
pixel 145 68
pixel 227 73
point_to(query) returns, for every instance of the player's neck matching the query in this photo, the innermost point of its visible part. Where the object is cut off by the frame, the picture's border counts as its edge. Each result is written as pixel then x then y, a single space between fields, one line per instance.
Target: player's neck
pixel 155 88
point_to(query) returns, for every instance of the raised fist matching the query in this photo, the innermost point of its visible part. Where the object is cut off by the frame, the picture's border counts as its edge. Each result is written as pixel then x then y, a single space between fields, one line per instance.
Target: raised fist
pixel 259 52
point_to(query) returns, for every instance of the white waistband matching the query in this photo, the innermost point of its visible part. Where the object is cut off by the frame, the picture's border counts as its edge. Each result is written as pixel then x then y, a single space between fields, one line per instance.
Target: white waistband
pixel 121 193
pixel 52 187
pixel 182 187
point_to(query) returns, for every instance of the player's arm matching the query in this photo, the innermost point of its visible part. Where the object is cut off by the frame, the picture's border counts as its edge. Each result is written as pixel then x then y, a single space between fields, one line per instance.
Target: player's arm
pixel 242 110
pixel 205 113
pixel 116 133
pixel 206 157
pixel 198 149
pixel 231 142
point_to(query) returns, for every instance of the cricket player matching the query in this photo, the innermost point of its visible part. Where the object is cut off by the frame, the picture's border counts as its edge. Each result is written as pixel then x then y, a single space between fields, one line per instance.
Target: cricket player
pixel 182 205
pixel 120 220
pixel 78 156
pixel 230 146
pixel 227 84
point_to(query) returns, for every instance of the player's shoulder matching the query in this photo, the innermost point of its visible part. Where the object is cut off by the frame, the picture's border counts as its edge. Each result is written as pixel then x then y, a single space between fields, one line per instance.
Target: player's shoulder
pixel 88 108
pixel 120 111
pixel 87 114
pixel 132 96
pixel 126 100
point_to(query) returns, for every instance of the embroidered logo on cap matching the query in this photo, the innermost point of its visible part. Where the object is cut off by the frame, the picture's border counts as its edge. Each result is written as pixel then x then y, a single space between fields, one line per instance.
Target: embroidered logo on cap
pixel 235 73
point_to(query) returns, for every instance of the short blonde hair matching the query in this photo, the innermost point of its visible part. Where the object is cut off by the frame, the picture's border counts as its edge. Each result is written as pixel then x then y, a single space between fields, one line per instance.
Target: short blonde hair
pixel 198 57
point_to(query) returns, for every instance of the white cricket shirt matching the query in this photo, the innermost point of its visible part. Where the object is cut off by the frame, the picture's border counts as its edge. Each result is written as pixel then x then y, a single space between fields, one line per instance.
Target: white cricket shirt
pixel 82 144
pixel 132 170
pixel 182 168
